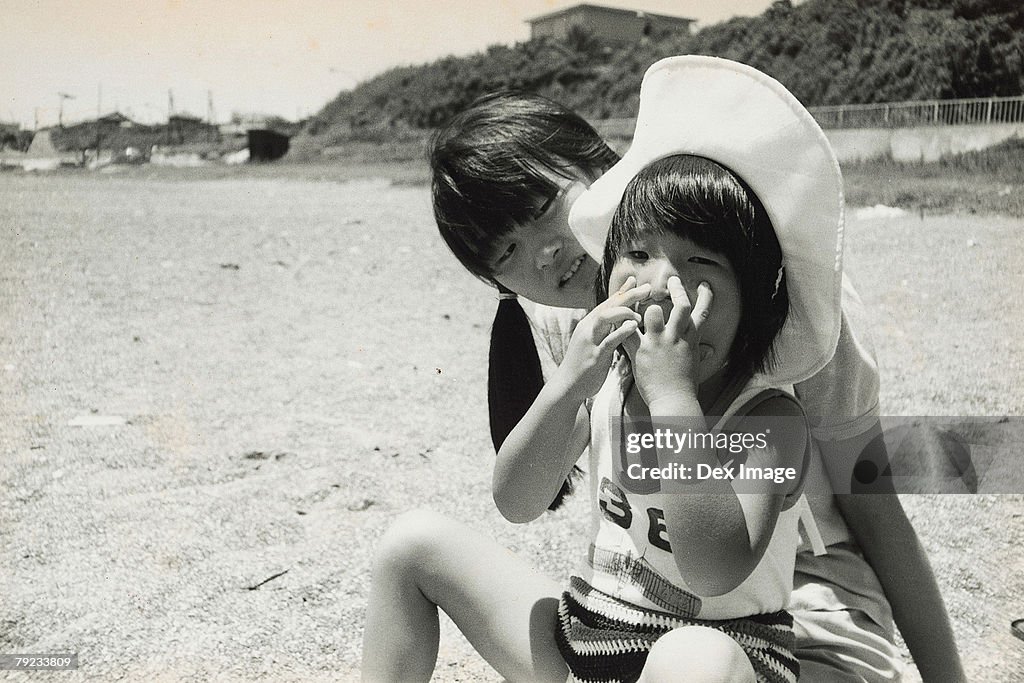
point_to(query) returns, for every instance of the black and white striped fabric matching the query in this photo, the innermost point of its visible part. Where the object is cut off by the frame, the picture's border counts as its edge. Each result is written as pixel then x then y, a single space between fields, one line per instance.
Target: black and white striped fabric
pixel 606 639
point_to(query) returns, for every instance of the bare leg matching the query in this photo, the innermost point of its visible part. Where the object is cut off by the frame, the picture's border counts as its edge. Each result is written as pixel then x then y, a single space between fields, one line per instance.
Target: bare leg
pixel 697 654
pixel 504 607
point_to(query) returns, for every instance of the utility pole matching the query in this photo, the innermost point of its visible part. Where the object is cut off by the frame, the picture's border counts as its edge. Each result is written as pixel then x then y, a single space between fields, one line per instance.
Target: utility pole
pixel 170 114
pixel 209 115
pixel 60 111
pixel 99 108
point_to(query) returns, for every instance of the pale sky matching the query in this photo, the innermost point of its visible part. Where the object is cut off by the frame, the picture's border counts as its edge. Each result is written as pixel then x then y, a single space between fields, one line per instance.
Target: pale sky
pixel 287 58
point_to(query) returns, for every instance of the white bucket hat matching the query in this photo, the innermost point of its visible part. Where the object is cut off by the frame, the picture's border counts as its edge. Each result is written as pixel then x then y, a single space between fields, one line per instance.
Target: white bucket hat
pixel 748 122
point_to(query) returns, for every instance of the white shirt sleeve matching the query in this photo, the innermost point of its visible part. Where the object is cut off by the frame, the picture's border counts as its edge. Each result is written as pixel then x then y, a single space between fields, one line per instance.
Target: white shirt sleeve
pixel 552 329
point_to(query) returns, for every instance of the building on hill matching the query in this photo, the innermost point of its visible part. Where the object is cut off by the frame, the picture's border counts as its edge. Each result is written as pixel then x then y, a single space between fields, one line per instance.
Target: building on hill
pixel 607 24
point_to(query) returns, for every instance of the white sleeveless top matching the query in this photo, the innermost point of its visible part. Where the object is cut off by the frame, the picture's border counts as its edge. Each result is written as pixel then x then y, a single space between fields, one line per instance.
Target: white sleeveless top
pixel 630 557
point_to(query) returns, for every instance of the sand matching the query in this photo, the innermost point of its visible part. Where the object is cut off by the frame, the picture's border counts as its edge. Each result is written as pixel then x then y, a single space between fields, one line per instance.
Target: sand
pixel 216 392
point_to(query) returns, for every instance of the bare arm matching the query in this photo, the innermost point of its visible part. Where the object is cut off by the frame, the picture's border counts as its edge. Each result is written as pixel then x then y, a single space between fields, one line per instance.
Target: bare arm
pixel 720 536
pixel 539 453
pixel 534 460
pixel 725 527
pixel 891 546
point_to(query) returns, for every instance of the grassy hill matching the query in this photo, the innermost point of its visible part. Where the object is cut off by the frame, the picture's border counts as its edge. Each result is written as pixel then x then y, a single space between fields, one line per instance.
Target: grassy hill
pixel 825 51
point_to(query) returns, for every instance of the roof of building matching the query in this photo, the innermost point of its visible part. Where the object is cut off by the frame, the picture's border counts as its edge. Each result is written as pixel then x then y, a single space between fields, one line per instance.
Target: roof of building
pixel 115 117
pixel 611 10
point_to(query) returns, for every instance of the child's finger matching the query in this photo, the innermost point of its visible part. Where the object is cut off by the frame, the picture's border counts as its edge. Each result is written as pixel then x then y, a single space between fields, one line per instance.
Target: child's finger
pixel 618 315
pixel 605 320
pixel 628 297
pixel 620 334
pixel 631 344
pixel 679 319
pixel 702 308
pixel 654 320
pixel 629 284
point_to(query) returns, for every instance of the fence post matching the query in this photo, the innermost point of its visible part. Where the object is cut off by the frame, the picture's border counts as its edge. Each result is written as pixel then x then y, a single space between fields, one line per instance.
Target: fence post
pixel 988 111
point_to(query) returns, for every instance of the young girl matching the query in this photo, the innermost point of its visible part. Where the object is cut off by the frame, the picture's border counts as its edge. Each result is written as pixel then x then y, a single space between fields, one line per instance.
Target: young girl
pixel 681 554
pixel 506 172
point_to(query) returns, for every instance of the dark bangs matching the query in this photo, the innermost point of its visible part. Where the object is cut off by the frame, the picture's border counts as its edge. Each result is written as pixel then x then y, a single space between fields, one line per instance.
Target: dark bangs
pixel 496 163
pixel 700 200
pixel 482 197
pixel 687 196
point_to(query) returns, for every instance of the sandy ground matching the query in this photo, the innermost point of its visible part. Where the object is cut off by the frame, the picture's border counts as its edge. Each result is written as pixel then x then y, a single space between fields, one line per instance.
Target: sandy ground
pixel 207 383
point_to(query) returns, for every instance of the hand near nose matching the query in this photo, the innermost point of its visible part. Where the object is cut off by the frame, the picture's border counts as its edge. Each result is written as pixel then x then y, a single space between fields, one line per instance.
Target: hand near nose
pixel 596 337
pixel 666 362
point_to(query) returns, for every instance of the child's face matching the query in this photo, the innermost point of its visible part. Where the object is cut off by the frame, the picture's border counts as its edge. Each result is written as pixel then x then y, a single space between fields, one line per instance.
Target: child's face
pixel 655 258
pixel 542 260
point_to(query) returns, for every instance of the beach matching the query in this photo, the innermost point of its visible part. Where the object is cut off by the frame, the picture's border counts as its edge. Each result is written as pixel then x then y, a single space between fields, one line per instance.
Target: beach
pixel 217 390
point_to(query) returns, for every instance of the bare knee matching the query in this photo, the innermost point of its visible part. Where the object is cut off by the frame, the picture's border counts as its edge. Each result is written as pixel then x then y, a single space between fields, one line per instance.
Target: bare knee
pixel 699 654
pixel 415 546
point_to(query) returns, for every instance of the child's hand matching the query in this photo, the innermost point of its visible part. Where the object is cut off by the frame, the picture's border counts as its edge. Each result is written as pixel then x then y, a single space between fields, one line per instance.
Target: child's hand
pixel 596 337
pixel 667 356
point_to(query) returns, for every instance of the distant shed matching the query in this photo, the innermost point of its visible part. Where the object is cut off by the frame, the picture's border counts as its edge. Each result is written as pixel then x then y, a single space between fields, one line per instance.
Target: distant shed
pixel 606 23
pixel 267 137
pixel 266 145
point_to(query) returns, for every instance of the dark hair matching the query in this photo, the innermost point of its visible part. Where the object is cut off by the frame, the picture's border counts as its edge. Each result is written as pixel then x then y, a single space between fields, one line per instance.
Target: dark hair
pixel 701 200
pixel 492 167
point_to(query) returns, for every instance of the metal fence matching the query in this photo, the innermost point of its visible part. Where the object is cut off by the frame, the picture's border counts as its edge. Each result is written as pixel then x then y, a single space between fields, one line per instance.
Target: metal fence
pixel 887 115
pixel 922 113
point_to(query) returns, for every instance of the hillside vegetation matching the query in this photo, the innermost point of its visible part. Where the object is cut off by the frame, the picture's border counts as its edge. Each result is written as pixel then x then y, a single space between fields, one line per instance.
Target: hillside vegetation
pixel 825 51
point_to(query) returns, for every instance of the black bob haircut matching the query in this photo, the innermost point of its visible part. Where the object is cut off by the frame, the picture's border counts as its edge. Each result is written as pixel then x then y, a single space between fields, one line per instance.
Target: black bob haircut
pixel 495 163
pixel 701 200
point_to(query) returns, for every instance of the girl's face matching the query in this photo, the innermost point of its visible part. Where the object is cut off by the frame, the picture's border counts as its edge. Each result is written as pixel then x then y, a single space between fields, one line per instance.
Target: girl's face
pixel 541 259
pixel 655 258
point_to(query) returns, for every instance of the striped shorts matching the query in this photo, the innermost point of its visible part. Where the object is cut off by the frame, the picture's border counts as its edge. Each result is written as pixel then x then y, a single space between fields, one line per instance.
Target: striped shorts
pixel 605 639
